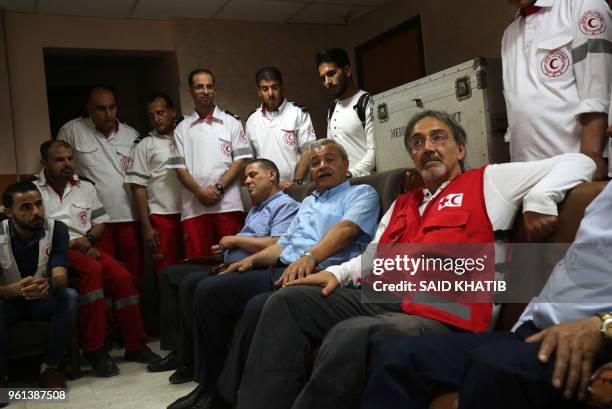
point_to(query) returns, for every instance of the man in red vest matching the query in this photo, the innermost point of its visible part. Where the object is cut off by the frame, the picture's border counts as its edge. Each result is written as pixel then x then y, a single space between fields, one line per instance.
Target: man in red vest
pixel 456 207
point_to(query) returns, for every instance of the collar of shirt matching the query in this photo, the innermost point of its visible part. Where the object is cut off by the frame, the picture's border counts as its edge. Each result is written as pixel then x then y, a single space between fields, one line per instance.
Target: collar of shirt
pixel 534 8
pixel 38 234
pixel 42 178
pixel 214 115
pixel 268 201
pixel 427 195
pixel 154 133
pixel 278 109
pixel 93 126
pixel 333 191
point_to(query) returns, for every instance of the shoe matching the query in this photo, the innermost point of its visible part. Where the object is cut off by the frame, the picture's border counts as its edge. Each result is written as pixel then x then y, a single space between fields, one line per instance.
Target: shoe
pixel 3 384
pixel 52 378
pixel 168 363
pixel 102 363
pixel 143 355
pixel 189 400
pixel 182 375
pixel 214 401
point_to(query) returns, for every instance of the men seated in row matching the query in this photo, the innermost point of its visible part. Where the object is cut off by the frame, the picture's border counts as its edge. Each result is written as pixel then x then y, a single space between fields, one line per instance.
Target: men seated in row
pixel 73 200
pixel 303 313
pixel 268 219
pixel 33 278
pixel 331 225
pixel 102 146
pixel 156 189
pixel 210 152
pixel 280 130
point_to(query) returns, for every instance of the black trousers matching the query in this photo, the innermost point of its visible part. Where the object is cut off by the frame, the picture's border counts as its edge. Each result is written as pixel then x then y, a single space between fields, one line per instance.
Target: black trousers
pixel 279 373
pixel 177 285
pixel 490 370
pixel 226 309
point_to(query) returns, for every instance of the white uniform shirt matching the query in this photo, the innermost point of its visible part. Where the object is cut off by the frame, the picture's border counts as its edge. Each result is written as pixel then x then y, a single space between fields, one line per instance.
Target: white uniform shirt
pixel 538 186
pixel 104 161
pixel 280 136
pixel 78 207
pixel 346 128
pixel 556 66
pixel 207 147
pixel 149 169
pixel 580 285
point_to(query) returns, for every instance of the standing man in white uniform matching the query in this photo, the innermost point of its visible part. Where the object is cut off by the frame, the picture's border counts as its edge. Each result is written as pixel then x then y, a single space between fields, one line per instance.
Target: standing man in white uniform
pixel 349 121
pixel 279 130
pixel 102 146
pixel 210 155
pixel 157 190
pixel 557 66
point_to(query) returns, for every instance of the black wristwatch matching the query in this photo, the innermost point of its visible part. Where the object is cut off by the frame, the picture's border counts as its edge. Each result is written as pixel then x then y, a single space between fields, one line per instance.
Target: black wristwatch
pixel 298 181
pixel 219 187
pixel 92 239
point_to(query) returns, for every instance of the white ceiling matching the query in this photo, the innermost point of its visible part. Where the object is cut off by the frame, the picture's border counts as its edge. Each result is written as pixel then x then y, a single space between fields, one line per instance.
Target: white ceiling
pixel 275 11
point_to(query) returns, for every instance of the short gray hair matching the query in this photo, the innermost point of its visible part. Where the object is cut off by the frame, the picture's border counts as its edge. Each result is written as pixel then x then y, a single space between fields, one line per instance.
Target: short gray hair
pixel 458 132
pixel 326 141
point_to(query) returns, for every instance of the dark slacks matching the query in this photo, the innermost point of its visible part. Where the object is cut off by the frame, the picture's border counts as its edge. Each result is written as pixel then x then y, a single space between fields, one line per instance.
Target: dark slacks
pixel 177 285
pixel 60 307
pixel 490 370
pixel 297 318
pixel 219 306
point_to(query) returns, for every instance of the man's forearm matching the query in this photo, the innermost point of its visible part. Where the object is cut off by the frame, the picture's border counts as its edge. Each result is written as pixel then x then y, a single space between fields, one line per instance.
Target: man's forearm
pixel 301 168
pixel 254 244
pixel 232 173
pixel 59 277
pixel 338 237
pixel 142 203
pixel 593 133
pixel 96 230
pixel 10 291
pixel 266 257
pixel 187 180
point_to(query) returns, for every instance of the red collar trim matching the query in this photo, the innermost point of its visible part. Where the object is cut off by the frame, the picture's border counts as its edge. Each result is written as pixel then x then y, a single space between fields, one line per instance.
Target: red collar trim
pixel 208 117
pixel 527 11
pixel 73 181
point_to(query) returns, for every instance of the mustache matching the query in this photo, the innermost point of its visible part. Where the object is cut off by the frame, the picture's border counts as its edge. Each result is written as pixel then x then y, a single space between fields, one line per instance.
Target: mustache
pixel 431 158
pixel 324 173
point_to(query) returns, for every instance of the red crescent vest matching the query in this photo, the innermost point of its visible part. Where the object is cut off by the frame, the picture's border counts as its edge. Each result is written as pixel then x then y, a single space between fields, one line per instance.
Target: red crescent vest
pixel 457 215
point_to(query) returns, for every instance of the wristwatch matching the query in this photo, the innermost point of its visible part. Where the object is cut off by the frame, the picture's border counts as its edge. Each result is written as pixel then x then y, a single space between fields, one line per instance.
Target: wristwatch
pixel 312 256
pixel 606 324
pixel 219 187
pixel 92 239
pixel 298 181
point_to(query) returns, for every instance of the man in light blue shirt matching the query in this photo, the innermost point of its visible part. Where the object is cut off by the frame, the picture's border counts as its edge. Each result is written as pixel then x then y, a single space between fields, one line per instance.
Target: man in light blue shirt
pixel 331 226
pixel 546 359
pixel 265 223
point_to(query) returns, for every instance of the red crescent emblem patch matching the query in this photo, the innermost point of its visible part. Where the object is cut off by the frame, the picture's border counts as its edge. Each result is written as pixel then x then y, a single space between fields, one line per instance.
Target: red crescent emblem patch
pixel 226 148
pixel 592 23
pixel 555 63
pixel 125 163
pixel 289 137
pixel 82 218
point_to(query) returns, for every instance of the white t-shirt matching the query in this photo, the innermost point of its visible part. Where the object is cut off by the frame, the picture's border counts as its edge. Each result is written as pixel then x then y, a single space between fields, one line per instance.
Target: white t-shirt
pixel 346 128
pixel 536 186
pixel 207 147
pixel 280 136
pixel 555 68
pixel 105 161
pixel 150 158
pixel 79 206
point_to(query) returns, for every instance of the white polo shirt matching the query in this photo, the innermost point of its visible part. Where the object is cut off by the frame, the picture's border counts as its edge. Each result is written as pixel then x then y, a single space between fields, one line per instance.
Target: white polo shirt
pixel 280 136
pixel 104 161
pixel 346 128
pixel 149 169
pixel 207 147
pixel 556 66
pixel 78 207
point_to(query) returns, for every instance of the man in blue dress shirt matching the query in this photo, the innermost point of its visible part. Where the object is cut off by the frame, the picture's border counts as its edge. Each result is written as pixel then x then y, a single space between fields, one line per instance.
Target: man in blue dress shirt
pixel 265 223
pixel 331 226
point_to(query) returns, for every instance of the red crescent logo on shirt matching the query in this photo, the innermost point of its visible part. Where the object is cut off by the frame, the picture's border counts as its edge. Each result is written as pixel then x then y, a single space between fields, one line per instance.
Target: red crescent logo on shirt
pixel 311 131
pixel 82 218
pixel 289 137
pixel 47 251
pixel 226 148
pixel 555 63
pixel 125 163
pixel 243 137
pixel 592 23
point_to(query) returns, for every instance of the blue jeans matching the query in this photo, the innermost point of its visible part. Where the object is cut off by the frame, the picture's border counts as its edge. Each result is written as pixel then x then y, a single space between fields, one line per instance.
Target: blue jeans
pixel 61 308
